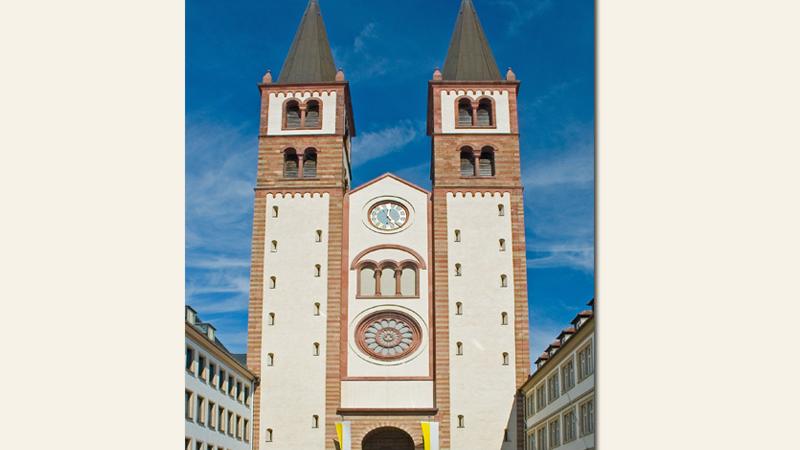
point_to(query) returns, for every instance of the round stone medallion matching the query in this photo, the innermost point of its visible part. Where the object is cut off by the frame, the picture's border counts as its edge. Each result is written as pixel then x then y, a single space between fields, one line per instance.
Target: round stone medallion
pixel 388 335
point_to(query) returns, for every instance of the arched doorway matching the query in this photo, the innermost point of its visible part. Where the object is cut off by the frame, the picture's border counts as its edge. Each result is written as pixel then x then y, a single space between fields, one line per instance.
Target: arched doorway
pixel 387 438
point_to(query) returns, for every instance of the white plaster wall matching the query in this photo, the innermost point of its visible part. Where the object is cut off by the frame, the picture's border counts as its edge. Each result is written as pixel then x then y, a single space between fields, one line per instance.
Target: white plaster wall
pixel 200 432
pixel 387 394
pixel 361 237
pixel 502 111
pixel 297 378
pixel 275 114
pixel 482 389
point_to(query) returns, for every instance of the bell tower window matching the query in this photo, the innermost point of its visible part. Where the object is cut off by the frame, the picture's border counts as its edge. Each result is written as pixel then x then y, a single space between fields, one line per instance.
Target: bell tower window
pixel 484 116
pixel 292 115
pixel 290 163
pixel 465 118
pixel 312 114
pixel 467 162
pixel 486 162
pixel 310 163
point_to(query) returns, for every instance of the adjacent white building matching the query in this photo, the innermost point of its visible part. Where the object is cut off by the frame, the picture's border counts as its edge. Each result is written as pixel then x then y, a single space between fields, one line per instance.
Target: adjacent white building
pixel 559 395
pixel 219 389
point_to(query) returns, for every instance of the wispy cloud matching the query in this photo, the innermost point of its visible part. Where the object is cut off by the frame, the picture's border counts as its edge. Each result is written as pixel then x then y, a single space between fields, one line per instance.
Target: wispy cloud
pixel 376 144
pixel 522 11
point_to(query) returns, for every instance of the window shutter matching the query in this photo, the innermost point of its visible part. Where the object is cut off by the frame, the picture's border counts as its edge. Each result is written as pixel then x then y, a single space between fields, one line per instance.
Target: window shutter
pixel 465 114
pixel 312 115
pixel 290 167
pixel 293 116
pixel 486 166
pixel 484 115
pixel 467 165
pixel 310 165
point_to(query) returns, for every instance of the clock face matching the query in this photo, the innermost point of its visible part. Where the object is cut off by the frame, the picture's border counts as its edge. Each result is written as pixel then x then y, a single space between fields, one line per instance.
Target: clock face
pixel 388 216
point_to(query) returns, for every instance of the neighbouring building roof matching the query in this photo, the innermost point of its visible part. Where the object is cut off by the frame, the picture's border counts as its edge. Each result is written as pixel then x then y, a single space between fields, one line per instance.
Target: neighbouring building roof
pixel 209 333
pixel 469 57
pixel 310 59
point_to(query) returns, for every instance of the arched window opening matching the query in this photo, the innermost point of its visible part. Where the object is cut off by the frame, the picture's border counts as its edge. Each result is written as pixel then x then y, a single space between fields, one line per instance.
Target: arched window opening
pixel 504 318
pixel 459 309
pixel 501 210
pixel 458 236
pixel 465 112
pixel 388 281
pixel 310 163
pixel 269 435
pixel 367 281
pixel 273 246
pixel 273 282
pixel 312 114
pixel 319 236
pixel 292 114
pixel 459 348
pixel 458 269
pixel 272 318
pixel 502 245
pixel 317 270
pixel 274 211
pixel 316 308
pixel 503 281
pixel 315 421
pixel 467 163
pixel 270 359
pixel 485 113
pixel 505 358
pixel 408 282
pixel 316 348
pixel 486 163
pixel 290 164
pixel 460 421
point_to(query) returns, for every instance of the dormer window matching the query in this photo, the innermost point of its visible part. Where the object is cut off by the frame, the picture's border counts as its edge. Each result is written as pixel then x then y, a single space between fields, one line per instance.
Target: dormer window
pixel 292 115
pixel 302 115
pixel 464 113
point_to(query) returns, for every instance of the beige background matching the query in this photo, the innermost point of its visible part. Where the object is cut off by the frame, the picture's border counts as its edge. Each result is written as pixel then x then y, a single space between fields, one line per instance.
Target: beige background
pixel 697 223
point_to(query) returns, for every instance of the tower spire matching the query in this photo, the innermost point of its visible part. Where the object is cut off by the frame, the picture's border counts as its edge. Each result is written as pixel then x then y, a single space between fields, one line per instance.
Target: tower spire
pixel 309 59
pixel 469 57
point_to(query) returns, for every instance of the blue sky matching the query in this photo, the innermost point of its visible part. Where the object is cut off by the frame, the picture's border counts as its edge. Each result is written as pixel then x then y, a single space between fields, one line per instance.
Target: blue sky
pixel 390 47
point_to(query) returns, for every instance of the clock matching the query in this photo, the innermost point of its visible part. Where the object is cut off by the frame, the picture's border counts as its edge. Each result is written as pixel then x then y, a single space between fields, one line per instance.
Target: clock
pixel 388 216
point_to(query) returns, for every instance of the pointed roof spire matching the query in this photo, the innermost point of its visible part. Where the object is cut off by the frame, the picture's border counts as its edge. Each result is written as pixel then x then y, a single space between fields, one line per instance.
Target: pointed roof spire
pixel 469 57
pixel 309 59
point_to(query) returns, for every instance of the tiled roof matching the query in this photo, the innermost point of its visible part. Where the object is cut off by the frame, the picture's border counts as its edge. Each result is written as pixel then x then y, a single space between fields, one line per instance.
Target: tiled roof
pixel 469 57
pixel 310 59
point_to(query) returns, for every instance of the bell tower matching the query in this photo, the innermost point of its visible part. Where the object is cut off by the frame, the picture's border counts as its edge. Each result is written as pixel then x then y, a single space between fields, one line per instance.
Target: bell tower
pixel 480 281
pixel 306 124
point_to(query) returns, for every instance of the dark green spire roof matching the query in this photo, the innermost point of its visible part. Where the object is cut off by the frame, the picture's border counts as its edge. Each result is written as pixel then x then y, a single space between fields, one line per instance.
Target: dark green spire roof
pixel 309 59
pixel 469 57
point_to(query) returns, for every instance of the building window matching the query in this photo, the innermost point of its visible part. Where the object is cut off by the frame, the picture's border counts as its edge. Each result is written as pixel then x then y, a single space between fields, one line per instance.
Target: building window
pixel 268 435
pixel 188 444
pixel 292 114
pixel 552 388
pixel 316 348
pixel 221 380
pixel 221 419
pixel 273 282
pixel 201 411
pixel 273 246
pixel 484 116
pixel 310 163
pixel 198 445
pixel 486 162
pixel 212 374
pixel 291 163
pixel 316 309
pixel 271 320
pixel 585 362
pixel 270 359
pixel 247 395
pixel 317 270
pixel 541 438
pixel 231 387
pixel 408 281
pixel 231 424
pixel 318 236
pixel 465 113
pixel 570 426
pixel 387 281
pixel 460 421
pixel 246 430
pixel 188 409
pixel 211 417
pixel 458 236
pixel 587 418
pixel 467 162
pixel 458 269
pixel 555 433
pixel 501 210
pixel 503 280
pixel 239 392
pixel 568 375
pixel 502 245
pixel 505 436
pixel 367 280
pixel 541 399
pixel 238 426
pixel 312 114
pixel 190 360
pixel 274 211
pixel 459 348
pixel 503 318
pixel 505 358
pixel 459 309
pixel 201 367
pixel 531 444
pixel 315 421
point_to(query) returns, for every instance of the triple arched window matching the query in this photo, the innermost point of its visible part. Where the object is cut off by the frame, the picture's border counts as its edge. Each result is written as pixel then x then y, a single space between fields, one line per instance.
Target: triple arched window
pixel 300 166
pixel 475 113
pixel 477 163
pixel 388 279
pixel 302 115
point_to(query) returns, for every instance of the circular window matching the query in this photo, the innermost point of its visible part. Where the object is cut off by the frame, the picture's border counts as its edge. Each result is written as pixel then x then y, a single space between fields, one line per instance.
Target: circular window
pixel 388 335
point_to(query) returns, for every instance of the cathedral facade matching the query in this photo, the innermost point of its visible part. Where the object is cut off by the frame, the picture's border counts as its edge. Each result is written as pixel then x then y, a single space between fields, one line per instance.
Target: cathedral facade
pixel 387 316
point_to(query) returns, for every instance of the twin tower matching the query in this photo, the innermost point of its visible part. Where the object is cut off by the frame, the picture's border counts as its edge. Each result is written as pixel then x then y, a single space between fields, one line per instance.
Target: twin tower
pixel 386 316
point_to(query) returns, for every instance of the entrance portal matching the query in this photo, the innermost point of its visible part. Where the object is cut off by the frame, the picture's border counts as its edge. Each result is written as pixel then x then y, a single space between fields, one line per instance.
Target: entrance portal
pixel 387 438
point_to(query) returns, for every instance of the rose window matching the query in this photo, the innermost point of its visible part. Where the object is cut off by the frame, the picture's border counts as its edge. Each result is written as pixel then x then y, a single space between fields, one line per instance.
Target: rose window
pixel 388 335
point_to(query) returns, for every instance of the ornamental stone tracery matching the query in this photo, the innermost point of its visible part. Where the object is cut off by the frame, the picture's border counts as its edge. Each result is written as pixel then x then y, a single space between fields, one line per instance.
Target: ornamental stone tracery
pixel 388 335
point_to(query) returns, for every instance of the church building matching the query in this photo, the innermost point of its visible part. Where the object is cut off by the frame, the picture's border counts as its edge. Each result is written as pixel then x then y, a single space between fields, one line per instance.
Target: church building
pixel 386 316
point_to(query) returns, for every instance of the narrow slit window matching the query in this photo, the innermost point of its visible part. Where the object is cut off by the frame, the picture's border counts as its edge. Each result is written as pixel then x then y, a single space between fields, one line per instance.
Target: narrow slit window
pixel 270 359
pixel 502 245
pixel 273 246
pixel 268 435
pixel 274 211
pixel 504 318
pixel 501 210
pixel 316 309
pixel 459 309
pixel 460 421
pixel 503 281
pixel 317 270
pixel 272 318
pixel 315 421
pixel 273 282
pixel 316 348
pixel 459 348
pixel 458 269
pixel 318 236
pixel 458 236
pixel 505 358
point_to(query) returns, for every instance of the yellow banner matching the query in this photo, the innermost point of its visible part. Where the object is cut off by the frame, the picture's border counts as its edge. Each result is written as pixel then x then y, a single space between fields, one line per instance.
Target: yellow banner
pixel 426 434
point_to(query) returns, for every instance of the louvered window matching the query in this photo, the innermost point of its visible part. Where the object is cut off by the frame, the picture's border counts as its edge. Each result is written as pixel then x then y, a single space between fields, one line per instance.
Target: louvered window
pixel 310 164
pixel 292 115
pixel 485 113
pixel 464 113
pixel 486 164
pixel 467 163
pixel 312 114
pixel 290 164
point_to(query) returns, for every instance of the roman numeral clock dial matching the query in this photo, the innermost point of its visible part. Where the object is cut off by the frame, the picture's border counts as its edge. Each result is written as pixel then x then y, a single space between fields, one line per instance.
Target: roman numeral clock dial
pixel 388 216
